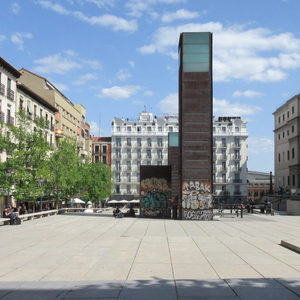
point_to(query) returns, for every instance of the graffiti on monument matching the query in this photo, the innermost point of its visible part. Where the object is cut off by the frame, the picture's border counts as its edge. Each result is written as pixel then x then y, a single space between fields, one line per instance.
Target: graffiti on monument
pixel 197 200
pixel 155 197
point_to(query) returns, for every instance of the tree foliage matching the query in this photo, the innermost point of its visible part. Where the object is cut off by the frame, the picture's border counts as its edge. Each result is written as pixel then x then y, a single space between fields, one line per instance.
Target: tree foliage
pixel 96 181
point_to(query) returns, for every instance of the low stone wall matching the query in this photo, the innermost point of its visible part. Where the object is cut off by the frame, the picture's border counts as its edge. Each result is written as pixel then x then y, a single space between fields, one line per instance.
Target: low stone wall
pixel 293 207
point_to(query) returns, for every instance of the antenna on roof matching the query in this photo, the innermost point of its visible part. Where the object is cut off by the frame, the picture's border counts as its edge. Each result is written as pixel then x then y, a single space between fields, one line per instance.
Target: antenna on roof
pixel 99 125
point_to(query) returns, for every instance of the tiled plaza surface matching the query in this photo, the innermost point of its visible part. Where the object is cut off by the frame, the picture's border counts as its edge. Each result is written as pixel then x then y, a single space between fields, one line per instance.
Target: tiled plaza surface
pixel 95 256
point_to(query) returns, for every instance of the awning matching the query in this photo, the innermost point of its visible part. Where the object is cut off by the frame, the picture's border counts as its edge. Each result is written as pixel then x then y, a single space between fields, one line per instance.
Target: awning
pixel 76 200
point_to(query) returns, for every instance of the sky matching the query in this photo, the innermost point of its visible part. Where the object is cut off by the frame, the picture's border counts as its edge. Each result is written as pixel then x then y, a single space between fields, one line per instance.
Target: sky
pixel 117 57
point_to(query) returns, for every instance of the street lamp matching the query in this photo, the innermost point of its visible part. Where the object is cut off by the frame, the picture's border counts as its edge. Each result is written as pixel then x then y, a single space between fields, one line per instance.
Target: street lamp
pixel 8 173
pixel 40 184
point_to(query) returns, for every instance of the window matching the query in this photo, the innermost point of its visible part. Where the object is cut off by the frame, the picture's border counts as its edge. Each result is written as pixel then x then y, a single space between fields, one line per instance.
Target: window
pixel 223 129
pixel 292 128
pixel 118 179
pixel 293 179
pixel 118 153
pixel 139 129
pixel 288 114
pixel 293 110
pixel 149 142
pixel 278 119
pixel 283 135
pixel 159 142
pixel 117 188
pixel 104 160
pixel 41 113
pixel 171 129
pixel 139 142
pixel 139 154
pixel 214 129
pixel 293 153
pixel 21 103
pixel 104 149
pixel 29 111
pixel 288 132
pixel 128 165
pixel 278 157
pixel 118 165
pixel 278 136
pixel 159 154
pixel 96 149
pixel 96 159
pixel 237 129
pixel 148 153
pixel 128 129
pixel 148 129
pixel 223 142
pixel 160 129
pixel 128 141
pixel 118 129
pixel 148 163
pixel 128 177
pixel 128 153
pixel 118 142
pixel 283 117
pixel 128 189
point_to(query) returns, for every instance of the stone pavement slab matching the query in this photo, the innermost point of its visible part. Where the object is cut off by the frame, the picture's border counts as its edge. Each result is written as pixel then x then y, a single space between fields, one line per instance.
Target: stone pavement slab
pixel 78 256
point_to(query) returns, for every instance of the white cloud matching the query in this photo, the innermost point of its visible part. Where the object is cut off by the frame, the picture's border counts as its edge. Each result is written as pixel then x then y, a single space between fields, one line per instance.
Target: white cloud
pixel 56 64
pixel 137 102
pixel 93 64
pixel 254 54
pixel 114 22
pixel 15 8
pixel 225 108
pixel 2 38
pixel 258 145
pixel 18 39
pixel 169 104
pixel 123 74
pixel 84 78
pixel 138 7
pixel 119 92
pixel 60 86
pixel 148 93
pixel 132 63
pixel 247 93
pixel 94 128
pixel 102 3
pixel 179 14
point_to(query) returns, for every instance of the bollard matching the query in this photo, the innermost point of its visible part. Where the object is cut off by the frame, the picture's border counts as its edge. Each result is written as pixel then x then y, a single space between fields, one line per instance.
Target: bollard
pixel 272 212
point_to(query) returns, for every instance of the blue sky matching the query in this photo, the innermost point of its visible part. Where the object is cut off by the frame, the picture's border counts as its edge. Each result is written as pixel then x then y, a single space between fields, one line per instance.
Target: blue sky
pixel 117 56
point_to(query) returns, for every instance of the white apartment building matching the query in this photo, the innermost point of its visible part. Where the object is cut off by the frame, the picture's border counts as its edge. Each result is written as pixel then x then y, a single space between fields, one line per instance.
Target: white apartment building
pixel 230 159
pixel 138 142
pixel 286 146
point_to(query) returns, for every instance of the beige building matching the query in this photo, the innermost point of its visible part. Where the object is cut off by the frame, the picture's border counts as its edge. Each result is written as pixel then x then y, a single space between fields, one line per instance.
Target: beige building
pixel 37 107
pixel 286 145
pixel 71 119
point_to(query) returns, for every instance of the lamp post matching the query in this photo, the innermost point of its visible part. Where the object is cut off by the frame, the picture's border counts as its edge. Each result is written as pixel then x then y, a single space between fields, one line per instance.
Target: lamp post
pixel 40 184
pixel 8 173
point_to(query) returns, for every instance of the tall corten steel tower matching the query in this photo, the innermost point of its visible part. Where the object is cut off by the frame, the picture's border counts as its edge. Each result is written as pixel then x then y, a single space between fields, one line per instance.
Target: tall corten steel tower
pixel 195 126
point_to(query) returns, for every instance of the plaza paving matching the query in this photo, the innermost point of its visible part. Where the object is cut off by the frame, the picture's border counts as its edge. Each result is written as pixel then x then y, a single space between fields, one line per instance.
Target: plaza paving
pixel 95 256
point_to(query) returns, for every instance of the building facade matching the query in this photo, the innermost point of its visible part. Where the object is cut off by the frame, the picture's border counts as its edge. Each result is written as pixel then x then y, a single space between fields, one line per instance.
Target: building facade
pixel 71 119
pixel 230 159
pixel 101 150
pixel 287 145
pixel 8 95
pixel 143 141
pixel 258 185
pixel 37 107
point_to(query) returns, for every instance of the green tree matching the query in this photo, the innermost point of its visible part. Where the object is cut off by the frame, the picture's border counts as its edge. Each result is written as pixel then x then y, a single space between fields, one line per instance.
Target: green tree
pixel 27 152
pixel 63 171
pixel 96 182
